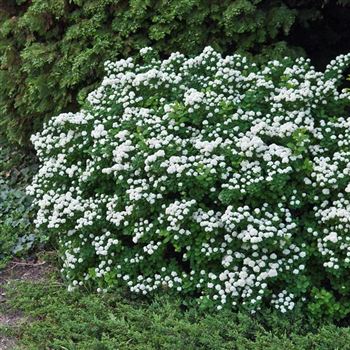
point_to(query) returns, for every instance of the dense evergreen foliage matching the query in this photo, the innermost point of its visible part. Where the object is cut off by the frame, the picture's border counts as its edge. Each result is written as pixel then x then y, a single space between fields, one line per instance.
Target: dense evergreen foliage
pixel 52 51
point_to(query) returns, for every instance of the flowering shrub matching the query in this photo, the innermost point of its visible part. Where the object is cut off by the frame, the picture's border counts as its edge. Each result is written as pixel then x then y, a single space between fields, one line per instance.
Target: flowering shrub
pixel 204 176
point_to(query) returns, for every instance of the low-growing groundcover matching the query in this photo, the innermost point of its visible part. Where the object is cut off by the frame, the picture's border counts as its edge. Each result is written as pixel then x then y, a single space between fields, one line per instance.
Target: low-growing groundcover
pixel 207 177
pixel 53 318
pixel 18 235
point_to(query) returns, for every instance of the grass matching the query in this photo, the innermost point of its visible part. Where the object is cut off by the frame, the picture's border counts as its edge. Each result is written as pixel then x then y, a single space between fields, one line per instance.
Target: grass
pixel 51 318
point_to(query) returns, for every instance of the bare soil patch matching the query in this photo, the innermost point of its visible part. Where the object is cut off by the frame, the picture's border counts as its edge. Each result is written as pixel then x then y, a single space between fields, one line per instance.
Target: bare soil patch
pixel 17 270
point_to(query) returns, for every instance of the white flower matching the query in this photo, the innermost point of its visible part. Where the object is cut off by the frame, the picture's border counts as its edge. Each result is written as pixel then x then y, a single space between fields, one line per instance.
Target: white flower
pixel 203 174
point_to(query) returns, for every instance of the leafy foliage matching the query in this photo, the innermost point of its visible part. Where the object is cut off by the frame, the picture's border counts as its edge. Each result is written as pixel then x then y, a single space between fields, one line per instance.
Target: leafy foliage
pixel 56 319
pixel 52 51
pixel 208 177
pixel 17 232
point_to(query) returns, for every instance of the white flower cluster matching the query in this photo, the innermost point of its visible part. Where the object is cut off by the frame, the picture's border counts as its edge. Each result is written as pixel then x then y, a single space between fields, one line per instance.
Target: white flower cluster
pixel 283 301
pixel 204 176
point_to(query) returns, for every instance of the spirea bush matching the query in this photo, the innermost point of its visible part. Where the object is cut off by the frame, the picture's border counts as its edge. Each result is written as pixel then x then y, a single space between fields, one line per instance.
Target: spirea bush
pixel 205 176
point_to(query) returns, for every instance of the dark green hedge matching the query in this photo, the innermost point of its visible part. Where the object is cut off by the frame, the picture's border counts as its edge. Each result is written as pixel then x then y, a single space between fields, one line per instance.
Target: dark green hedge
pixel 52 51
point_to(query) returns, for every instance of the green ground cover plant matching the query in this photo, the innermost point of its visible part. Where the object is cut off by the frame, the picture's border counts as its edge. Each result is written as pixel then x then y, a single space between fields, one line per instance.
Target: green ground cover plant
pixel 18 234
pixel 52 318
pixel 207 176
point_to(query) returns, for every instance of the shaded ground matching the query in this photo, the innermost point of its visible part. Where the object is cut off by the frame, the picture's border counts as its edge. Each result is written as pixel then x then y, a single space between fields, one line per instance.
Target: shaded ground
pixel 17 270
pixel 8 319
pixel 38 313
pixel 54 318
